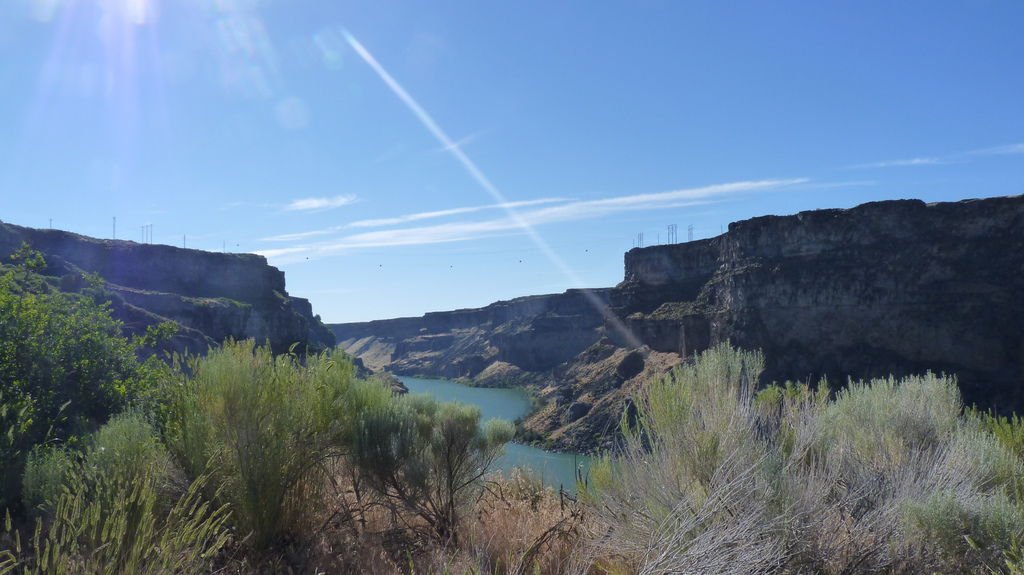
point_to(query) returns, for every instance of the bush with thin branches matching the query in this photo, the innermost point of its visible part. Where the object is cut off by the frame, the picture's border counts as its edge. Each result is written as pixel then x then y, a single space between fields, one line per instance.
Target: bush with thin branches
pixel 267 430
pixel 889 476
pixel 428 458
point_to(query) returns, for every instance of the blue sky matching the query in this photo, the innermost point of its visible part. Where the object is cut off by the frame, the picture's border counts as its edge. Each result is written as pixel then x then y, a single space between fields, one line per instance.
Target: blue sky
pixel 397 158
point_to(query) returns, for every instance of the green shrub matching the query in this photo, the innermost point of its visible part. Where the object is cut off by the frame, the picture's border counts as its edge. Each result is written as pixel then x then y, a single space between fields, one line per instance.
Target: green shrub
pixel 888 477
pixel 1008 430
pixel 128 446
pixel 686 492
pixel 46 474
pixel 65 366
pixel 880 421
pixel 115 527
pixel 975 530
pixel 266 429
pixel 127 449
pixel 15 439
pixel 428 458
pixel 110 509
pixel 1013 557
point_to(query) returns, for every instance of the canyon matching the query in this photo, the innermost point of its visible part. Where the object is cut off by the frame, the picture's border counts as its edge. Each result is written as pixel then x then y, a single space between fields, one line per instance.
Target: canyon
pixel 884 288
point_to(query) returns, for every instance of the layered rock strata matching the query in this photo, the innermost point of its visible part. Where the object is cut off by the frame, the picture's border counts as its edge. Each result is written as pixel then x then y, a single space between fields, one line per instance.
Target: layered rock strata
pixel 885 288
pixel 212 296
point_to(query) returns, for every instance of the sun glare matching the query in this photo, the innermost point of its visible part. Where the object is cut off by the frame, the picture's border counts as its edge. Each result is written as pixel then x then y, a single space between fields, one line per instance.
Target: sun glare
pixel 137 12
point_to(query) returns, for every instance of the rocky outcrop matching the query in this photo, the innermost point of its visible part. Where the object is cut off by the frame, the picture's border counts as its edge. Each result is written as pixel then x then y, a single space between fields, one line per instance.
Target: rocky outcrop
pixel 534 334
pixel 212 296
pixel 893 287
pixel 885 288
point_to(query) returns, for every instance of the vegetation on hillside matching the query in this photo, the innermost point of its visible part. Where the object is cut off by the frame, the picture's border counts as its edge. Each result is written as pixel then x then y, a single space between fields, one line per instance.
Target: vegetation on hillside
pixel 245 462
pixel 64 365
pixel 239 460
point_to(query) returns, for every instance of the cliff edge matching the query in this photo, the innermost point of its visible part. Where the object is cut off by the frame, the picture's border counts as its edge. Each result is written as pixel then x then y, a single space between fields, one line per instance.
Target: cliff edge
pixel 212 296
pixel 893 287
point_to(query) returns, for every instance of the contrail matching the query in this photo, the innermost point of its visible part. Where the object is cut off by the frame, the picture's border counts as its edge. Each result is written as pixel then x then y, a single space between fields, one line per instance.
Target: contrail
pixel 475 172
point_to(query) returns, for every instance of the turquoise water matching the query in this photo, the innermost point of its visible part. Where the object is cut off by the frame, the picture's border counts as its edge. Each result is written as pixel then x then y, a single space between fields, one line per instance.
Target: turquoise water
pixel 555 469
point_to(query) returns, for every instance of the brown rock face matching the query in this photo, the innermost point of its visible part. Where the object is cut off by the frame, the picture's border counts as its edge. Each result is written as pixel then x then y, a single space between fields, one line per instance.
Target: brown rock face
pixel 212 296
pixel 533 334
pixel 893 287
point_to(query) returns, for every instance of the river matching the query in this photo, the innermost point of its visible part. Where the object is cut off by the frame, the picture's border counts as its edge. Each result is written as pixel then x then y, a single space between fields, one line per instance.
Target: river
pixel 554 469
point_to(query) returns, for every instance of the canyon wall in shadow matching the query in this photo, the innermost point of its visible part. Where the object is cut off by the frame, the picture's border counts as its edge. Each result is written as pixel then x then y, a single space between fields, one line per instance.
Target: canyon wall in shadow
pixel 212 296
pixel 894 287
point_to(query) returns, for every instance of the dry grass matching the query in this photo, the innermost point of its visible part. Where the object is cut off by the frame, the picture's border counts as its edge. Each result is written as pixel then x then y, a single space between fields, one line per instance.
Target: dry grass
pixel 517 527
pixel 521 527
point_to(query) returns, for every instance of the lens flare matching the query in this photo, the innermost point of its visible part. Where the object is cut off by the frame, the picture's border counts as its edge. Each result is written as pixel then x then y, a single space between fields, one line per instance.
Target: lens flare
pixel 134 12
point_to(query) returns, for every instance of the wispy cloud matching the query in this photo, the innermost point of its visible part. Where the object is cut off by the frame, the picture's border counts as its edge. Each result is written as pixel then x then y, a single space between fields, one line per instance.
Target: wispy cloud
pixel 282 254
pixel 810 184
pixel 310 204
pixel 552 214
pixel 294 237
pixel 408 218
pixel 955 158
pixel 397 220
pixel 929 161
pixel 1008 150
pixel 657 200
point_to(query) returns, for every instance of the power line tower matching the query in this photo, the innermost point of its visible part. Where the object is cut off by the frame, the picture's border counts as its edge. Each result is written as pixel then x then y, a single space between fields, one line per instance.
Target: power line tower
pixel 673 233
pixel 689 233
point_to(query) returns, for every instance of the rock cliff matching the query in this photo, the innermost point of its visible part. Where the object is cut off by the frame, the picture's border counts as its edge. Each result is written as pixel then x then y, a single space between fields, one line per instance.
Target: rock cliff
pixel 884 288
pixel 531 334
pixel 891 287
pixel 212 296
